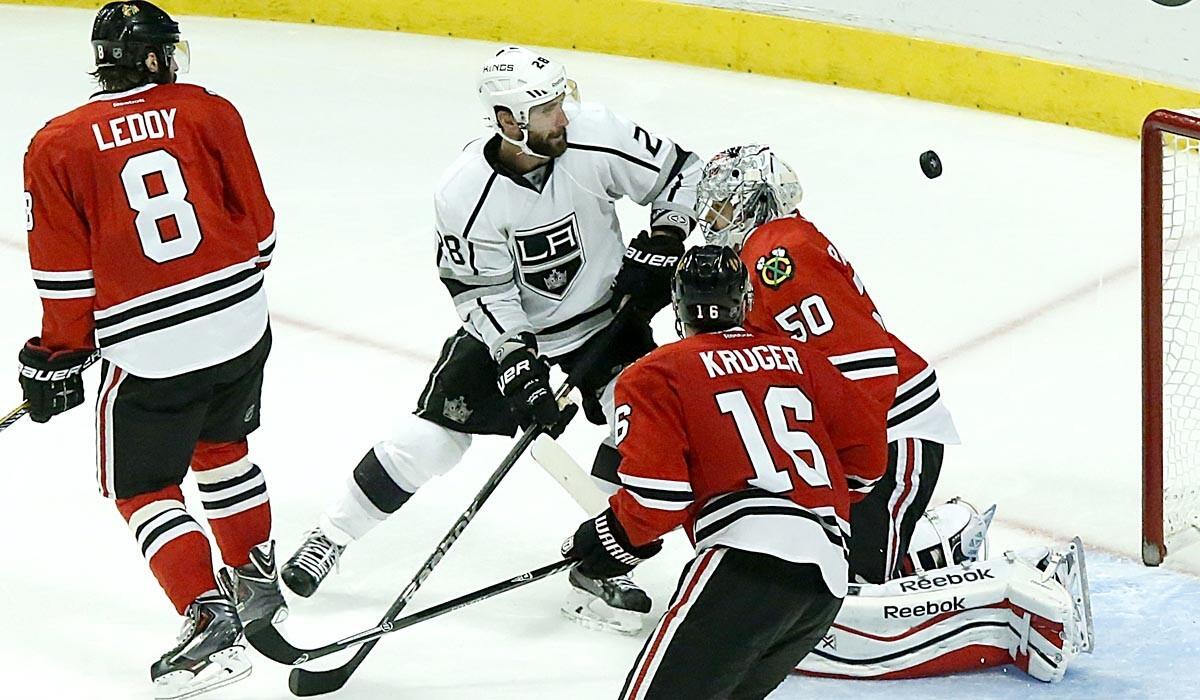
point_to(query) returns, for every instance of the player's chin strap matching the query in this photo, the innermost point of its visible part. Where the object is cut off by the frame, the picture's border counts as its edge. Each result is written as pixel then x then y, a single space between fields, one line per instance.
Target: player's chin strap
pixel 523 144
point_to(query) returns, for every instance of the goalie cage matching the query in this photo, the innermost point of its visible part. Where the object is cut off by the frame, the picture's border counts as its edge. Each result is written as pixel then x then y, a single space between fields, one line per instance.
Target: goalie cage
pixel 1170 332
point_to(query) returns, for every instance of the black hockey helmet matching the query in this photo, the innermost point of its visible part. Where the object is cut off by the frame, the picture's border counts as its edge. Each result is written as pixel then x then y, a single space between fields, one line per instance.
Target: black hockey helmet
pixel 124 33
pixel 712 289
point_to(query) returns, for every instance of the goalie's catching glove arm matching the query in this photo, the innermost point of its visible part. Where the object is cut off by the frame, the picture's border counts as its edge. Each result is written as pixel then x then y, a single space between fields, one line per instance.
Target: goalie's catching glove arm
pixel 647 270
pixel 525 382
pixel 52 382
pixel 603 550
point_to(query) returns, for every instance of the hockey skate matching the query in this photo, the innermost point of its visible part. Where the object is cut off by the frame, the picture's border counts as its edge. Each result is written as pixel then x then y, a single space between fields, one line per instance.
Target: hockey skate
pixel 208 654
pixel 614 604
pixel 311 564
pixel 255 586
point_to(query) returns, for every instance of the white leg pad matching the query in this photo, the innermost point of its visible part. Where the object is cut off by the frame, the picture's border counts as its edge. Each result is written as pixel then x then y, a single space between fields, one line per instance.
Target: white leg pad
pixel 960 618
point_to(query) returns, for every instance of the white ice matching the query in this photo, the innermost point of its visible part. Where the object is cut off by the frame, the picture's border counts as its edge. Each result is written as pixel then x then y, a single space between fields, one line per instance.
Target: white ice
pixel 1016 271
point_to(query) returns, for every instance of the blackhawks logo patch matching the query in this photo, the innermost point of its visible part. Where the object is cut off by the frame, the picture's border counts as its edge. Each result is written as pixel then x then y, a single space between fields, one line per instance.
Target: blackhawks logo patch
pixel 776 268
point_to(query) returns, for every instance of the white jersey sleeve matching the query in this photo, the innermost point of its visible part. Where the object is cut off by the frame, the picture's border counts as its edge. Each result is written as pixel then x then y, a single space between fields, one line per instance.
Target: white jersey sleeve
pixel 647 168
pixel 475 264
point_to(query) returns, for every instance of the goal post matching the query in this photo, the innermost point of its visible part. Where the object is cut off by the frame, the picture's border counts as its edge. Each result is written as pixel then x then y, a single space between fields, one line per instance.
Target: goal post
pixel 1170 332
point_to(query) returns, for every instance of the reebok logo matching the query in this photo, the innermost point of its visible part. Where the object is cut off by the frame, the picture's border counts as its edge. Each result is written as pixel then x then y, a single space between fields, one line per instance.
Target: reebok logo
pixel 928 584
pixel 933 607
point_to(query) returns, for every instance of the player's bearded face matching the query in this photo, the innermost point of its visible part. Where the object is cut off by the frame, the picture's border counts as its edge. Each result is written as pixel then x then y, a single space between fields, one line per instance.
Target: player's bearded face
pixel 548 129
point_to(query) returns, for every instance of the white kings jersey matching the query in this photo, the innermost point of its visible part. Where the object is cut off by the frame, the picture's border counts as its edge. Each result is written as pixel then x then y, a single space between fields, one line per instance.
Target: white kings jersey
pixel 538 253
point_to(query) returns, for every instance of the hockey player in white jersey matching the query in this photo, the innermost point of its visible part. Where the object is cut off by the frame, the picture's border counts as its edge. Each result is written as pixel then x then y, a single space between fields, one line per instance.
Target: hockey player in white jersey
pixel 530 250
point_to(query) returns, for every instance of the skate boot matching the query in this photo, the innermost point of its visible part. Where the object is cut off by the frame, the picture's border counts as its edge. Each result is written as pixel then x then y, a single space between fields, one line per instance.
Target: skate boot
pixel 615 604
pixel 309 566
pixel 208 654
pixel 255 586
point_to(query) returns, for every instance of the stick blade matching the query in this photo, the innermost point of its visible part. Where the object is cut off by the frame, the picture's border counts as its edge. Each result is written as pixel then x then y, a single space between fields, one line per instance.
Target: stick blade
pixel 267 640
pixel 305 683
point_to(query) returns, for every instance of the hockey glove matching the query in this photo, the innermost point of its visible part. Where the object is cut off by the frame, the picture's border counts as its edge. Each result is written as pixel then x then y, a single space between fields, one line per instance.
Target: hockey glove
pixel 603 550
pixel 52 381
pixel 646 273
pixel 525 382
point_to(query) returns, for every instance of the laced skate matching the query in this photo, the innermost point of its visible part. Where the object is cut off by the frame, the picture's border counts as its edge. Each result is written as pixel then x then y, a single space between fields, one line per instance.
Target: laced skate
pixel 311 564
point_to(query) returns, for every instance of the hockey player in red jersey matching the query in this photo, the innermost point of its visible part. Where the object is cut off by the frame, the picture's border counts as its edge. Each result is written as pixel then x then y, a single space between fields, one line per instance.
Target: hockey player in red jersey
pixel 804 287
pixel 750 442
pixel 936 607
pixel 149 231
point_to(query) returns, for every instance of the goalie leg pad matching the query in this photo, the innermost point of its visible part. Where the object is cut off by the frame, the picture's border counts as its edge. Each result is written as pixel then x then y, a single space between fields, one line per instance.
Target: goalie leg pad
pixel 961 618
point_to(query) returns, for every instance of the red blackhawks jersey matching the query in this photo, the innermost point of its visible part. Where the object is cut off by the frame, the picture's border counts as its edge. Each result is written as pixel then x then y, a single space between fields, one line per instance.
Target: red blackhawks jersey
pixel 748 441
pixel 805 288
pixel 149 230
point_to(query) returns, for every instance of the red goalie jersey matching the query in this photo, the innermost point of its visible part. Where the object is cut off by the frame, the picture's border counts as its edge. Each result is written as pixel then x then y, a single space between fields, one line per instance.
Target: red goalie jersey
pixel 149 230
pixel 748 441
pixel 805 288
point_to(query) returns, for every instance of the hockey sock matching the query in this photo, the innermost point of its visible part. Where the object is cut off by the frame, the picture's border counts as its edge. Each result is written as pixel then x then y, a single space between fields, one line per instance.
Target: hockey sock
pixel 172 542
pixel 235 500
pixel 372 495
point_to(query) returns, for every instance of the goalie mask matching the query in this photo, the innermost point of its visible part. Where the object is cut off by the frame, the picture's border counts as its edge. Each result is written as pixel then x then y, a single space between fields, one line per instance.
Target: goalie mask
pixel 949 534
pixel 518 80
pixel 741 189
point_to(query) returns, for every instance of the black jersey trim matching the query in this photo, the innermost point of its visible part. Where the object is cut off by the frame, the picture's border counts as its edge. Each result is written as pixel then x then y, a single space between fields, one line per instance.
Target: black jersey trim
pixel 615 152
pixel 235 499
pixel 249 474
pixel 574 321
pixel 162 529
pixel 915 410
pixel 187 295
pixel 183 317
pixel 913 391
pixel 471 221
pixel 490 317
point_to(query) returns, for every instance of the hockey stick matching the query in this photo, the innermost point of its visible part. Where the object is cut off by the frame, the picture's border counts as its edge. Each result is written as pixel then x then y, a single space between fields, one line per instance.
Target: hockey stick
pixel 306 683
pixel 15 415
pixel 563 468
pixel 267 640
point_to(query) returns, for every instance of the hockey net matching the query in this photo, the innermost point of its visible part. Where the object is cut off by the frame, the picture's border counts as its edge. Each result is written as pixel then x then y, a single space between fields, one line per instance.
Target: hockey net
pixel 1170 332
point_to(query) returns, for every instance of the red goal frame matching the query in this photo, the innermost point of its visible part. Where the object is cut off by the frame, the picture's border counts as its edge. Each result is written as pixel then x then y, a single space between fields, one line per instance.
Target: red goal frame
pixel 1154 548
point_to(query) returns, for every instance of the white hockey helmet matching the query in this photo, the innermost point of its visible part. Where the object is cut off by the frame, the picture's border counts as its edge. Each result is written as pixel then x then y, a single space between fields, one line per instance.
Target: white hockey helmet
pixel 949 534
pixel 518 80
pixel 741 189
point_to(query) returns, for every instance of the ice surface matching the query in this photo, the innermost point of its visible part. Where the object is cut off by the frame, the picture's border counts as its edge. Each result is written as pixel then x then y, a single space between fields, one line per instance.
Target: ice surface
pixel 1016 270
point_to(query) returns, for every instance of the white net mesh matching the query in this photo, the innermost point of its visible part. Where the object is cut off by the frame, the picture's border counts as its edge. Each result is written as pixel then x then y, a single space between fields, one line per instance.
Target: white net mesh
pixel 1181 338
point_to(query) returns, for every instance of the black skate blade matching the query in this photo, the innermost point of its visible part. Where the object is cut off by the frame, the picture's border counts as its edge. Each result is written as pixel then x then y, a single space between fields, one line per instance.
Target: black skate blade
pixel 266 640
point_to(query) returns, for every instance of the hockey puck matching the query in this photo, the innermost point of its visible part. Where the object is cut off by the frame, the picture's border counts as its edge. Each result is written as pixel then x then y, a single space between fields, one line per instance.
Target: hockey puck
pixel 931 165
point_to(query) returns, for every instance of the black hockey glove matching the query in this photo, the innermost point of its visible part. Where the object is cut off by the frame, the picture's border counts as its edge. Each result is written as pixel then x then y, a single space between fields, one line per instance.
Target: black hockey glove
pixel 52 381
pixel 525 382
pixel 602 548
pixel 646 273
